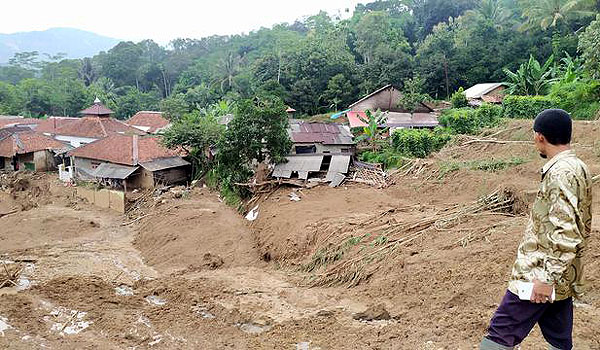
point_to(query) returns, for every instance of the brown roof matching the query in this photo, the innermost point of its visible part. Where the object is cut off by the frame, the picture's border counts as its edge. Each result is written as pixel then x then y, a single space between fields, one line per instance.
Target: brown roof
pixel 96 127
pixel 121 149
pixel 27 142
pixel 50 124
pixel 18 121
pixel 149 121
pixel 97 109
pixel 329 134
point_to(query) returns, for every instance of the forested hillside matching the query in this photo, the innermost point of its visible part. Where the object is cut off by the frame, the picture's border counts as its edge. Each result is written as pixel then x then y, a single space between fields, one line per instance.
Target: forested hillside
pixel 317 64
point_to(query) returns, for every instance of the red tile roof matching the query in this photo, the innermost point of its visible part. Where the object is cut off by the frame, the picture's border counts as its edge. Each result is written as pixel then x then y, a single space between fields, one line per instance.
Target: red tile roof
pixel 10 121
pixel 121 149
pixel 97 109
pixel 148 121
pixel 27 142
pixel 50 124
pixel 96 127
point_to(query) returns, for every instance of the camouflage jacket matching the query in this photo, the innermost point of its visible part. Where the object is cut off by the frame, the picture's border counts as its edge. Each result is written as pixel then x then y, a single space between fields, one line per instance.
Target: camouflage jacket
pixel 559 225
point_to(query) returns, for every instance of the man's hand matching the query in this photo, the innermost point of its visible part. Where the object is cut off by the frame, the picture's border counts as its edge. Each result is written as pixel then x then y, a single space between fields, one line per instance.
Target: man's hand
pixel 542 292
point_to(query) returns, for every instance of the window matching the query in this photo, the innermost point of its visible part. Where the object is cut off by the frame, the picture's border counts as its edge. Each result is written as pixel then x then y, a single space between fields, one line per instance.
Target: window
pixel 306 149
pixel 95 164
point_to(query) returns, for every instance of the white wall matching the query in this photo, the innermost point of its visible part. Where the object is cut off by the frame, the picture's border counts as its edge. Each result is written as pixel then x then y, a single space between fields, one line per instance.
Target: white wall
pixel 75 141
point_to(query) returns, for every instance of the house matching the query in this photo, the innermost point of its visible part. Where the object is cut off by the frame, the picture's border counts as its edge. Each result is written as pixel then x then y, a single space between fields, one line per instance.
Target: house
pixel 95 124
pixel 49 125
pixel 150 122
pixel 10 120
pixel 387 99
pixel 318 148
pixel 489 92
pixel 21 148
pixel 129 161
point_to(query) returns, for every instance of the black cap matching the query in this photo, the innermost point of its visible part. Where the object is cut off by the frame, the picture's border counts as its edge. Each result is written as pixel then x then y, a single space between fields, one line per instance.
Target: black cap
pixel 556 126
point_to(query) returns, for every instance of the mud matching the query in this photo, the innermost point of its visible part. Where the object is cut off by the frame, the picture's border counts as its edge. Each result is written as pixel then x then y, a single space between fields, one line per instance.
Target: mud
pixel 187 272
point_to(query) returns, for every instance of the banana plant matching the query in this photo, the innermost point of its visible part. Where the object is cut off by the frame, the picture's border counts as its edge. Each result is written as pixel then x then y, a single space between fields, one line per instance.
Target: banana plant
pixel 372 131
pixel 532 78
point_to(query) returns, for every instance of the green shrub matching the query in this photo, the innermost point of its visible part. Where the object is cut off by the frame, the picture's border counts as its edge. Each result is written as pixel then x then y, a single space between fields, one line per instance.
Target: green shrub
pixel 470 121
pixel 461 121
pixel 459 99
pixel 387 156
pixel 489 115
pixel 527 107
pixel 419 143
pixel 580 98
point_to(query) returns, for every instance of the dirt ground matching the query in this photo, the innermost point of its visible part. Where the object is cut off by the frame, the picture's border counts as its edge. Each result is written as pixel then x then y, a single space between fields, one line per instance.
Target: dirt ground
pixel 421 264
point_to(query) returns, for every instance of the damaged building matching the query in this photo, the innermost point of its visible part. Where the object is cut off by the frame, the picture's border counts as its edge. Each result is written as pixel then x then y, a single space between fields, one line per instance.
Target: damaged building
pixel 129 162
pixel 319 150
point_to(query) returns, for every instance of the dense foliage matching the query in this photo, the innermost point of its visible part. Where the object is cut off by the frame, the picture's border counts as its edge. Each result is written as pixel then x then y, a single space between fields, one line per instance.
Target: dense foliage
pixel 527 107
pixel 315 65
pixel 419 143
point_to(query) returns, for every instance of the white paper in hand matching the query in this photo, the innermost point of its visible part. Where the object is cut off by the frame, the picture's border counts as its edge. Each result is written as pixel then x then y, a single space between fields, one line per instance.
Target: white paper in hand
pixel 526 289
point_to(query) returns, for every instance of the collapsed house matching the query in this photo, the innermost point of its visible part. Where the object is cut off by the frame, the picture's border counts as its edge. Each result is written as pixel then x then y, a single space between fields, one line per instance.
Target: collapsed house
pixel 129 162
pixel 23 149
pixel 149 121
pixel 387 99
pixel 318 149
pixel 488 92
pixel 95 124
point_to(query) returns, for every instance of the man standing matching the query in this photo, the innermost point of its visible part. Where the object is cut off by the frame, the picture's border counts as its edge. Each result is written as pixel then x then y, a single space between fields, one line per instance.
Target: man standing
pixel 551 251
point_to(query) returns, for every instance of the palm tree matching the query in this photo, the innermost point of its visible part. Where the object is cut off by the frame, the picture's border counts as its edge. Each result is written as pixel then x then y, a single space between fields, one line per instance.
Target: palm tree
pixel 228 69
pixel 551 13
pixel 491 10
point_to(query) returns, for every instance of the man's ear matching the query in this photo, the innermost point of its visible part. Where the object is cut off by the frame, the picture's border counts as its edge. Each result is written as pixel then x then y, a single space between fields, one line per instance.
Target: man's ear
pixel 539 137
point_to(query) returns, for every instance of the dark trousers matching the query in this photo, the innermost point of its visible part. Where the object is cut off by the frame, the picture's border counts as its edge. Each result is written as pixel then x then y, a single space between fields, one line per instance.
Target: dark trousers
pixel 515 318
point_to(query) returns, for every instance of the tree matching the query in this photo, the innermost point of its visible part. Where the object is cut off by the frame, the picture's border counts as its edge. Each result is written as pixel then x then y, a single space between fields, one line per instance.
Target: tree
pixel 532 78
pixel 258 132
pixel 589 47
pixel 87 72
pixel 374 121
pixel 493 11
pixel 175 106
pixel 197 133
pixel 546 14
pixel 412 94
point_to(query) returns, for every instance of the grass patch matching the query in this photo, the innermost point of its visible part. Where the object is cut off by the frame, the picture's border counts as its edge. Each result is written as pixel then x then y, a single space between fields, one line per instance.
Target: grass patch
pixel 488 165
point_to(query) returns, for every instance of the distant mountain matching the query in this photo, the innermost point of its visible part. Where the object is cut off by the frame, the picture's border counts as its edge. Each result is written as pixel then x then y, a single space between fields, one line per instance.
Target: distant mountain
pixel 74 42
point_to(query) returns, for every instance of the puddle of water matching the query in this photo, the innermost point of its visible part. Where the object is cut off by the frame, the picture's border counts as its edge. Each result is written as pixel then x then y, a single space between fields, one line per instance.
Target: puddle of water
pixel 155 300
pixel 252 328
pixel 124 290
pixel 4 325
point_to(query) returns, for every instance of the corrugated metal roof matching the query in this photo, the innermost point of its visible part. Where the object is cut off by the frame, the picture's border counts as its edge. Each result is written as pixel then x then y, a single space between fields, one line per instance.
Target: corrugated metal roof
pixel 298 163
pixel 477 91
pixel 397 120
pixel 327 134
pixel 339 163
pixel 164 163
pixel 113 171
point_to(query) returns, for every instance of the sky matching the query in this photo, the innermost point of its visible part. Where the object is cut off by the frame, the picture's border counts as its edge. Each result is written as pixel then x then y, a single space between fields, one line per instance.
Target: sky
pixel 163 20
